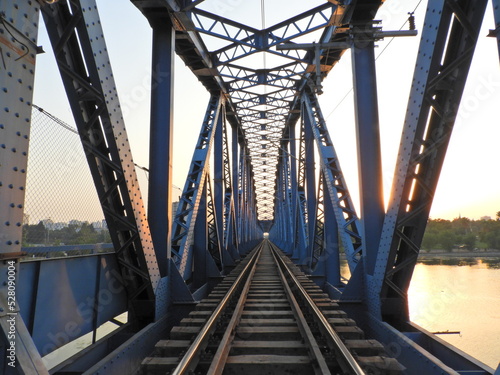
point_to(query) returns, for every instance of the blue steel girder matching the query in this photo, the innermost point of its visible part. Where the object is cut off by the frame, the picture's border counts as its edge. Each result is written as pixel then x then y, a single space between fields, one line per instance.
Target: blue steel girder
pixel 185 219
pixel 229 238
pixel 76 35
pixel 247 87
pixel 213 233
pixel 448 41
pixel 301 228
pixel 288 71
pixel 228 203
pixel 246 41
pixel 18 49
pixel 344 209
pixel 280 83
pixel 262 78
pixel 318 242
pixel 283 216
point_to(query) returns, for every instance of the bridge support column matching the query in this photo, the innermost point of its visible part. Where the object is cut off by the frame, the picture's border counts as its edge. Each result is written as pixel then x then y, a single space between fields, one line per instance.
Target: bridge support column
pixel 219 176
pixel 332 254
pixel 235 181
pixel 310 174
pixel 18 49
pixel 161 138
pixel 294 185
pixel 368 139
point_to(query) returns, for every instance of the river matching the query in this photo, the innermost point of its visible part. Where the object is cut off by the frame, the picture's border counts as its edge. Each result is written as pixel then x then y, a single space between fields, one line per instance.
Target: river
pixel 462 295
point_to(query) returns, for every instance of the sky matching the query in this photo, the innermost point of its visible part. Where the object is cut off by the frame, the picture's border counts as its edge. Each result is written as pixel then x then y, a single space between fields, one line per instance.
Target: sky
pixel 469 184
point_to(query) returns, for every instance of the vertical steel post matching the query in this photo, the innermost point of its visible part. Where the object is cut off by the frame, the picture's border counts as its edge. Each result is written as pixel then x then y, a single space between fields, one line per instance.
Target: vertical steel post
pixel 200 243
pixel 219 177
pixel 294 186
pixel 310 172
pixel 446 49
pixel 368 139
pixel 18 49
pixel 235 182
pixel 331 253
pixel 161 138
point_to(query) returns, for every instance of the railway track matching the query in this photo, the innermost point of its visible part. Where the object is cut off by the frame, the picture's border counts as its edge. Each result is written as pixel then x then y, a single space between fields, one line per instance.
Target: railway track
pixel 267 317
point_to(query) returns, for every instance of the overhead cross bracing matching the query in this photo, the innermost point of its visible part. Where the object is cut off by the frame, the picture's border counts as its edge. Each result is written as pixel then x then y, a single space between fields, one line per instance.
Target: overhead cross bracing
pixel 262 82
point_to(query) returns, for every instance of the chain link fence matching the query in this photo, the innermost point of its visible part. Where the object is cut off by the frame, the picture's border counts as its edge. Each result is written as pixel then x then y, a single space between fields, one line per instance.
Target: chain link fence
pixel 62 211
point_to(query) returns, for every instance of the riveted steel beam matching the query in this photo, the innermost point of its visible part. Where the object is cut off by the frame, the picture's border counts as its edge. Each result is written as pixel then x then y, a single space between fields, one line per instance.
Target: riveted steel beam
pixel 448 41
pixel 76 35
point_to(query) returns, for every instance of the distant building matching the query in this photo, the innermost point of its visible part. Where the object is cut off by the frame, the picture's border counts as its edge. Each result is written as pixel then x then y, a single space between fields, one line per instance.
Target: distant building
pixel 48 224
pixel 100 225
pixel 58 226
pixel 485 218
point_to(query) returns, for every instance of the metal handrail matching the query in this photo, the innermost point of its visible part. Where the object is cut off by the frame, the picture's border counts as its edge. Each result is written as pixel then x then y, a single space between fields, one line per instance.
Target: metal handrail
pixel 184 365
pixel 340 347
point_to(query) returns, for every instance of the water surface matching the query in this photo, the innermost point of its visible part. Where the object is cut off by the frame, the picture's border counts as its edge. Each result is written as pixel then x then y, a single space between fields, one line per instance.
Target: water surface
pixel 453 294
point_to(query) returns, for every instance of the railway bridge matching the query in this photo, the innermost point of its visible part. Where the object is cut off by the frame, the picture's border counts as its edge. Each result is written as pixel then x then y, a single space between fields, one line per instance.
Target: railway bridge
pixel 245 276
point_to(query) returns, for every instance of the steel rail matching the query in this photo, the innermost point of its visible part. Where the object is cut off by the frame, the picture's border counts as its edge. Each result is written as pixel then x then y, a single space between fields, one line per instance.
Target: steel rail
pixel 307 335
pixel 349 364
pixel 187 362
pixel 220 356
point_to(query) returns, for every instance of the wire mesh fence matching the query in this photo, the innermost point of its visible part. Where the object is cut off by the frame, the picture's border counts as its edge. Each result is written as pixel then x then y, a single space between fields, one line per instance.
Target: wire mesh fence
pixel 61 205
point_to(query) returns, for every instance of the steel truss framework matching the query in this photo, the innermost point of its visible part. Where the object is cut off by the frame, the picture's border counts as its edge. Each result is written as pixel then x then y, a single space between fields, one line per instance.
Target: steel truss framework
pixel 264 180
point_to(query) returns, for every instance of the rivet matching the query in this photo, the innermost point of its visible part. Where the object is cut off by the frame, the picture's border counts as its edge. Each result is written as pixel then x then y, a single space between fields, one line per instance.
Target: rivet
pixel 12 205
pixel 11 186
pixel 7 223
pixel 9 242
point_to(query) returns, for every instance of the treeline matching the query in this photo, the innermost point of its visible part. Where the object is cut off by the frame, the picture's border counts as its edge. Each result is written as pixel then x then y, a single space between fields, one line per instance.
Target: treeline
pixel 73 234
pixel 462 233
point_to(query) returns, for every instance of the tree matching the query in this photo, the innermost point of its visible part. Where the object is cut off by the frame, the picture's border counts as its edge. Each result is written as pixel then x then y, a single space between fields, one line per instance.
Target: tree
pixel 430 240
pixel 469 241
pixel 34 234
pixel 447 239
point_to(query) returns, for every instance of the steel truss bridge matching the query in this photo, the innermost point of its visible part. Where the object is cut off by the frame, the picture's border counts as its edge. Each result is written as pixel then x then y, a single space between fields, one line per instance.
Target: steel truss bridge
pixel 252 173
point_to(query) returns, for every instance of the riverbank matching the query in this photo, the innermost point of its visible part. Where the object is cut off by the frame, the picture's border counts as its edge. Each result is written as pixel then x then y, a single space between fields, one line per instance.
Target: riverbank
pixel 459 254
